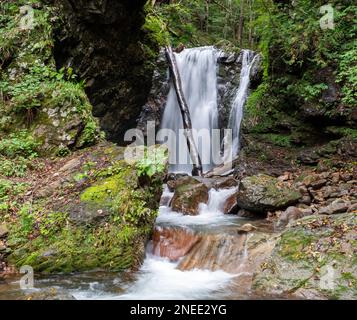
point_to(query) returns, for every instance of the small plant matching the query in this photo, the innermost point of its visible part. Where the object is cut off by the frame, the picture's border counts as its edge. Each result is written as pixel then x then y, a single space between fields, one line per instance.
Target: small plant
pixel 153 162
pixel 19 144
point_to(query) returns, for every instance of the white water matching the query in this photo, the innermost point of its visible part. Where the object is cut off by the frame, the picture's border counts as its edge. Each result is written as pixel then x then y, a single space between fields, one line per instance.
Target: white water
pixel 210 214
pixel 240 99
pixel 159 278
pixel 198 70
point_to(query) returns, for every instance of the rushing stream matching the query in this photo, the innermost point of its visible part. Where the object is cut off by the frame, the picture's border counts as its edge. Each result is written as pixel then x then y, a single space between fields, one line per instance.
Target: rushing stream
pixel 160 278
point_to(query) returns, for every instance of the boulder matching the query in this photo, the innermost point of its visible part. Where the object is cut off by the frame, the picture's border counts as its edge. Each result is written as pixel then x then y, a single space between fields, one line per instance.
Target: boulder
pixel 231 205
pixel 242 213
pixel 337 206
pixel 292 214
pixel 262 193
pixel 189 194
pixel 306 262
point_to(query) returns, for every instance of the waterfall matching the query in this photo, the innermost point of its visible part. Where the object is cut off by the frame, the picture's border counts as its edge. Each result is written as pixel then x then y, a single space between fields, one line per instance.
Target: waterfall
pixel 236 115
pixel 198 70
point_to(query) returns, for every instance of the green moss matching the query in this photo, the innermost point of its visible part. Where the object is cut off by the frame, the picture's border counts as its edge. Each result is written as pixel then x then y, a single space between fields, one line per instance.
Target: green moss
pixel 52 241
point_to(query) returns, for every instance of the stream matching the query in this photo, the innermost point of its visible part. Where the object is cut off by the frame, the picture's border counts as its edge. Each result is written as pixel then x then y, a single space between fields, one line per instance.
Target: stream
pixel 217 273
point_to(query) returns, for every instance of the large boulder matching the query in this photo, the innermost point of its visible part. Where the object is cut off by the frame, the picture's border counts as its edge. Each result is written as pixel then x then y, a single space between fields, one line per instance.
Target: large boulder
pixel 98 212
pixel 314 258
pixel 262 193
pixel 189 194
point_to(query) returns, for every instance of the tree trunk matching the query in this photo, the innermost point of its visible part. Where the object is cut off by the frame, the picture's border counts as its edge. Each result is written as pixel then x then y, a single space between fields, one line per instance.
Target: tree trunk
pixel 185 113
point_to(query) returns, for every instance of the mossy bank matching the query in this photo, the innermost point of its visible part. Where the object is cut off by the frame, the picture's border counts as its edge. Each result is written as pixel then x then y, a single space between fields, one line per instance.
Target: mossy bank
pixel 91 210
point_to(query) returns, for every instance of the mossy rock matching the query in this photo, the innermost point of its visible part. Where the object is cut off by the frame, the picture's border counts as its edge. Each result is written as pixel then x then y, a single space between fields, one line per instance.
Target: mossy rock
pixel 314 258
pixel 104 222
pixel 189 194
pixel 262 193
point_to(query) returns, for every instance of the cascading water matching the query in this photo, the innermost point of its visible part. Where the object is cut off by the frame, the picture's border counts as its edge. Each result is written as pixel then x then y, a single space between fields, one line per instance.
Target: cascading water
pixel 236 115
pixel 198 70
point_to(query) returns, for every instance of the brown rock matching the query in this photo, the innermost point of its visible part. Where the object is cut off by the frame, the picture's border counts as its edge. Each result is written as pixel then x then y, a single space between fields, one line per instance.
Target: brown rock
pixel 231 205
pixel 335 177
pixel 173 243
pixel 318 184
pixel 290 214
pixel 246 228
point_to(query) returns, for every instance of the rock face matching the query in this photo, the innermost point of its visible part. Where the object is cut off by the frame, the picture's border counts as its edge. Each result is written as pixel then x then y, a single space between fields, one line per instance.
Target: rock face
pixel 314 258
pixel 173 243
pixel 189 194
pixel 51 108
pixel 262 193
pixel 104 43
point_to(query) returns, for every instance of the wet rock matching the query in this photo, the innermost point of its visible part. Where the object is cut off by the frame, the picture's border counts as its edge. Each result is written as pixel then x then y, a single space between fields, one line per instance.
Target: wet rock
pixel 189 194
pixel 173 243
pixel 263 193
pixel 246 228
pixel 227 252
pixel 231 205
pixel 3 231
pixel 337 206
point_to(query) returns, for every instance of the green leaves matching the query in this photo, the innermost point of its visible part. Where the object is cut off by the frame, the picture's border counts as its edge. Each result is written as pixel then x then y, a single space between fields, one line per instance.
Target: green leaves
pixel 153 162
pixel 19 144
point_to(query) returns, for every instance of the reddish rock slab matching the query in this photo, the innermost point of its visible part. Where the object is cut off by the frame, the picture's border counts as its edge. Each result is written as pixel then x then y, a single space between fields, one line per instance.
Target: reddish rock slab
pixel 173 243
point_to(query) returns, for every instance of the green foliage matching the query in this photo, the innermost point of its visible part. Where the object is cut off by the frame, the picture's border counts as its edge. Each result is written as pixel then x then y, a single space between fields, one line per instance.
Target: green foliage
pixel 278 139
pixel 153 162
pixel 348 75
pixel 157 28
pixel 32 92
pixel 19 144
